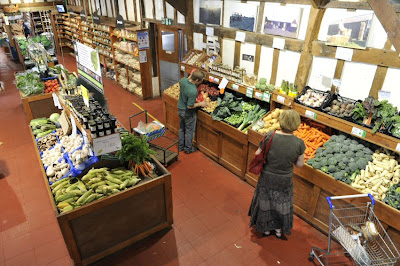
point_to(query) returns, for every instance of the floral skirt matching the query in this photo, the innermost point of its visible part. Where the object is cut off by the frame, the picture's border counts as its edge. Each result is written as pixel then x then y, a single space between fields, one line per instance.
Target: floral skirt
pixel 272 204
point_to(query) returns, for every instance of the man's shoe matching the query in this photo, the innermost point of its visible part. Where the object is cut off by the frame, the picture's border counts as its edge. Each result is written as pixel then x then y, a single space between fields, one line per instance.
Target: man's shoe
pixel 191 151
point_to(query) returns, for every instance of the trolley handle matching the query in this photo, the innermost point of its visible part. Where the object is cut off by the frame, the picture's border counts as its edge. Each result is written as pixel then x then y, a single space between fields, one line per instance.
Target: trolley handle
pixel 329 199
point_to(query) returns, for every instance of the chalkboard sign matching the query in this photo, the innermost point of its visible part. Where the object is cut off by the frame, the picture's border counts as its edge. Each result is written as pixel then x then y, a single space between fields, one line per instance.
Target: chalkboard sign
pixel 120 23
pixel 247 57
pixel 83 15
pixel 96 18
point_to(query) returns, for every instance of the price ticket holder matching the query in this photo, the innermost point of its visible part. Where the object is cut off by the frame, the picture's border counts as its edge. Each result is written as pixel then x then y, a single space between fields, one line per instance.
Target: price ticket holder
pixel 158 142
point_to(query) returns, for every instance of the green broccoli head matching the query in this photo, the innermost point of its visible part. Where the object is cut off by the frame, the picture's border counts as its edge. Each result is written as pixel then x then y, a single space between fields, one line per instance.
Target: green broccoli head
pixel 360 154
pixel 332 161
pixel 332 169
pixel 345 148
pixel 328 150
pixel 337 148
pixel 311 161
pixel 324 162
pixel 367 151
pixel 319 150
pixel 353 147
pixel 324 169
pixel 339 175
pixel 354 142
pixel 341 138
pixel 333 138
pixel 362 163
pixel 351 167
pixel 342 165
pixel 346 142
pixel 345 159
pixel 349 154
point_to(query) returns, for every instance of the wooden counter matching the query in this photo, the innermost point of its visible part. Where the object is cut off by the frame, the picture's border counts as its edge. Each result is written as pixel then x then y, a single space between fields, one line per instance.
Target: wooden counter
pixel 171 118
pixel 37 106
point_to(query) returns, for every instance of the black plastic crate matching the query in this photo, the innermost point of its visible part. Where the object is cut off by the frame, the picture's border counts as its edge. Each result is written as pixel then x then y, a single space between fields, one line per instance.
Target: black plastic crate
pixel 341 99
pixel 304 91
pixel 390 131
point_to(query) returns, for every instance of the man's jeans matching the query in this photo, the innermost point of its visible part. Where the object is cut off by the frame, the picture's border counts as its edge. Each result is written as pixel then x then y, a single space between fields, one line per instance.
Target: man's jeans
pixel 187 126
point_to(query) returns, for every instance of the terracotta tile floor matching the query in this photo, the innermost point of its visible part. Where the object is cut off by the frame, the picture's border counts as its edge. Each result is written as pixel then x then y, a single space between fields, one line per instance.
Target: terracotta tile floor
pixel 210 203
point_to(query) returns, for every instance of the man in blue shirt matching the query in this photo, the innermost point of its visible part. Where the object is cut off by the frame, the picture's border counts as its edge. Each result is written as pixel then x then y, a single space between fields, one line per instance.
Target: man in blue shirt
pixel 187 110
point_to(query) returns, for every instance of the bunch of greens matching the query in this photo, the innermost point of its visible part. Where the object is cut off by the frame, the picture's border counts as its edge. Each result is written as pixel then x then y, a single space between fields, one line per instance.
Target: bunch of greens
pixel 365 112
pixel 29 83
pixel 252 117
pixel 393 196
pixel 135 150
pixel 22 46
pixel 385 115
pixel 227 106
pixel 396 126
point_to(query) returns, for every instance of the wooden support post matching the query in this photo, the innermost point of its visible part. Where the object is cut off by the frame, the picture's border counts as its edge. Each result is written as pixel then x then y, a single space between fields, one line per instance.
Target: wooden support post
pixel 257 59
pixel 319 3
pixel 260 17
pixel 380 75
pixel 189 24
pixel 126 10
pixel 164 9
pixel 338 72
pixel 386 14
pixel 135 10
pixel 275 62
pixel 306 57
pixel 236 60
pixel 154 9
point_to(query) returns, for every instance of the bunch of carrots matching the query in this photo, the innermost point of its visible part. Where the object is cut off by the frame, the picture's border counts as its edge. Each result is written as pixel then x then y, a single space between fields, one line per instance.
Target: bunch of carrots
pixel 51 86
pixel 312 137
pixel 143 169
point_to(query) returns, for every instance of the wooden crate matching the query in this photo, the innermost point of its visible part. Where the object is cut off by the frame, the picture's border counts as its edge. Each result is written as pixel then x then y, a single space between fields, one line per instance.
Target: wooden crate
pixel 105 226
pixel 37 106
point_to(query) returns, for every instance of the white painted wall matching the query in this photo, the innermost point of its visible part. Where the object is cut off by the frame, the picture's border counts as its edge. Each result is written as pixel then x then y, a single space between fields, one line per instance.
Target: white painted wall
pixel 181 18
pixel 148 9
pixel 228 51
pixel 266 58
pixel 248 49
pixel 170 10
pixel 138 10
pixel 131 10
pixel 391 84
pixel 321 67
pixel 159 9
pixel 197 41
pixel 287 66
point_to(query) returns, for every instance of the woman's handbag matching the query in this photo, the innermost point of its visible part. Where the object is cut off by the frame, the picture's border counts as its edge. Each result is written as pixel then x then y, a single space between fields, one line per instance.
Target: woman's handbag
pixel 257 164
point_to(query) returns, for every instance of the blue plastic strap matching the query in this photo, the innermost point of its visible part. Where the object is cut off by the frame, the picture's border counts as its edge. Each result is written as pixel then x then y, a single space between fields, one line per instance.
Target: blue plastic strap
pixel 372 199
pixel 329 202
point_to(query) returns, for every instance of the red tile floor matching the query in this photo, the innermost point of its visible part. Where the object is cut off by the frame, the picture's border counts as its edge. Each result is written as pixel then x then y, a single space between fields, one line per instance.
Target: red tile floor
pixel 210 203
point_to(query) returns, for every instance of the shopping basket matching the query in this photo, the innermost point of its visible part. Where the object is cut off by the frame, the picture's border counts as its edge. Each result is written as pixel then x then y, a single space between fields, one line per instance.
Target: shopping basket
pixel 360 233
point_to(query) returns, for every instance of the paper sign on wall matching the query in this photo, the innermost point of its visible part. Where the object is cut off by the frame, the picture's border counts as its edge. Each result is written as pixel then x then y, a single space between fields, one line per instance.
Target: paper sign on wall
pixel 240 36
pixel 345 54
pixel 204 45
pixel 143 40
pixel 142 56
pixel 278 43
pixel 383 95
pixel 336 83
pixel 326 81
pixel 209 31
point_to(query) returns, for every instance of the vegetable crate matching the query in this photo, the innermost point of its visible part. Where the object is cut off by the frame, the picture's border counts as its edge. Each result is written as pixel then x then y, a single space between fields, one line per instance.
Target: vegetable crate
pixel 150 135
pixel 360 232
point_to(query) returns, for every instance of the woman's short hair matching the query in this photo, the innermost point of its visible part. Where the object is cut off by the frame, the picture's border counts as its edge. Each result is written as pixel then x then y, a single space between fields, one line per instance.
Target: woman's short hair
pixel 197 76
pixel 289 120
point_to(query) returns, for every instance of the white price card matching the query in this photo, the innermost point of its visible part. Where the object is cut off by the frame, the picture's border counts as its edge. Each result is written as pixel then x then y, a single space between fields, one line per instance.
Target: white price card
pixel 266 97
pixel 358 132
pixel 223 83
pixel 383 95
pixel 345 54
pixel 258 95
pixel 336 83
pixel 55 100
pixel 210 78
pixel 235 87
pixel 249 92
pixel 107 144
pixel 216 80
pixel 142 57
pixel 240 36
pixel 278 43
pixel 311 114
pixel 203 45
pixel 281 99
pixel 73 125
pixel 209 31
pixel 183 68
pixel 398 147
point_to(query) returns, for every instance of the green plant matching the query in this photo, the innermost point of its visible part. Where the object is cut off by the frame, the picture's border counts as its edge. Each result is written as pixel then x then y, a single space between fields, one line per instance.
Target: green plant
pixel 385 115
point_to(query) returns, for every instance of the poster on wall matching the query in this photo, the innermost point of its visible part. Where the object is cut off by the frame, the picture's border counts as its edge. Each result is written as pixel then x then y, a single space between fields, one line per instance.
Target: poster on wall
pixel 241 16
pixel 88 62
pixel 210 12
pixel 282 20
pixel 349 29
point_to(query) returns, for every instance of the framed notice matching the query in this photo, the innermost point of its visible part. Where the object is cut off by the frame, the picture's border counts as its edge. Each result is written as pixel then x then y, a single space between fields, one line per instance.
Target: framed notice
pixel 143 40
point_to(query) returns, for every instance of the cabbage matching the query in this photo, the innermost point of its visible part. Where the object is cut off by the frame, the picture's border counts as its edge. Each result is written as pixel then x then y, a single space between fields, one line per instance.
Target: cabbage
pixel 54 117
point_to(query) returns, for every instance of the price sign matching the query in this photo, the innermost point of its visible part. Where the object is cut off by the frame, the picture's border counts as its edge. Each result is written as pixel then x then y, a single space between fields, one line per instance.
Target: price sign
pixel 358 132
pixel 210 78
pixel 85 95
pixel 223 83
pixel 281 99
pixel 249 92
pixel 398 147
pixel 183 68
pixel 235 87
pixel 266 97
pixel 107 144
pixel 258 95
pixel 216 80
pixel 311 114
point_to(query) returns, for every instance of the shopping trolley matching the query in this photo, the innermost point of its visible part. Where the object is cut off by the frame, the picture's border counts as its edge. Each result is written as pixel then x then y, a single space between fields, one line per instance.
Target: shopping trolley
pixel 360 233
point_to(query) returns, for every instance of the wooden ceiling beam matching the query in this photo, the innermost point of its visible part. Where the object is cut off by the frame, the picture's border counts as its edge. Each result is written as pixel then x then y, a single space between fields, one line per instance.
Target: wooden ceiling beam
pixel 319 3
pixel 386 14
pixel 180 5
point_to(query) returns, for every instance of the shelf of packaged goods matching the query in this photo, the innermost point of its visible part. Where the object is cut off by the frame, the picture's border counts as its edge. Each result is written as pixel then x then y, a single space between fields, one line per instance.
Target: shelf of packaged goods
pixel 119 49
pixel 68 33
pixel 108 44
pixel 86 41
pixel 91 32
pixel 136 68
pixel 244 89
pixel 100 29
pixel 109 56
pixel 104 37
pixel 359 131
pixel 127 38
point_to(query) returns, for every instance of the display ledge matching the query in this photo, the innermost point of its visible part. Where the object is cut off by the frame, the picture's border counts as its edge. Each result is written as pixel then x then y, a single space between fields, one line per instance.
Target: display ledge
pixel 107 44
pixel 136 68
pixel 104 37
pixel 87 31
pixel 127 38
pixel 359 131
pixel 109 56
pixel 249 91
pixel 125 51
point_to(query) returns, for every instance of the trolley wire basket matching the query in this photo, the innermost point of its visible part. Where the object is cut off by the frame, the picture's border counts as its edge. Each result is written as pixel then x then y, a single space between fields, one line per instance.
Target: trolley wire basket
pixel 360 233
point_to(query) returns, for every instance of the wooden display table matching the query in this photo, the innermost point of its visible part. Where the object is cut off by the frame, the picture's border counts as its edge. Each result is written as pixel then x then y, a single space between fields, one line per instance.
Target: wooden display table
pixel 171 118
pixel 37 106
pixel 105 226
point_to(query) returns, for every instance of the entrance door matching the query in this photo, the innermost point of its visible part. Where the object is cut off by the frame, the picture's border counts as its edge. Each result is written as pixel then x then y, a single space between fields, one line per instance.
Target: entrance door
pixel 171 49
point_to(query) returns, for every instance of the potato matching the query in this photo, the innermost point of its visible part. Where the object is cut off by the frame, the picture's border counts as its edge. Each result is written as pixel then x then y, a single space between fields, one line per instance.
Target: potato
pixel 268 117
pixel 274 121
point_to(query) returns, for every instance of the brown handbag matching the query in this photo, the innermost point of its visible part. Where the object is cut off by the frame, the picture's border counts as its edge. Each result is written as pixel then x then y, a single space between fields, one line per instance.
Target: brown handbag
pixel 257 164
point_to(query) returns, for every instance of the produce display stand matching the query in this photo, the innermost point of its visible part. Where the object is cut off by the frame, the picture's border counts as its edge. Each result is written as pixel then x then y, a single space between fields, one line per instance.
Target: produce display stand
pixel 37 106
pixel 105 226
pixel 171 118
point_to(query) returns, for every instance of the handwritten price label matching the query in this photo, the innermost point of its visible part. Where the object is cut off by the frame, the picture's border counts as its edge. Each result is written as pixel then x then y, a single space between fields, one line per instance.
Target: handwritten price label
pixel 210 78
pixel 216 80
pixel 311 114
pixel 235 87
pixel 249 92
pixel 258 95
pixel 281 99
pixel 107 144
pixel 183 68
pixel 266 97
pixel 358 132
pixel 398 147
